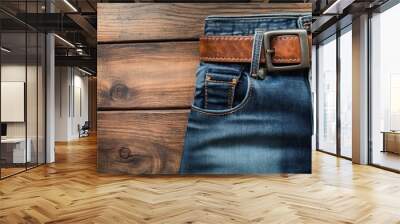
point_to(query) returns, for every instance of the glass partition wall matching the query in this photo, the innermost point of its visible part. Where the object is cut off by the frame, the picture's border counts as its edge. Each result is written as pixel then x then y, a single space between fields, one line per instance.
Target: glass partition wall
pixel 345 91
pixel 13 85
pixel 22 98
pixel 327 95
pixel 385 90
pixel 334 88
pixel 334 94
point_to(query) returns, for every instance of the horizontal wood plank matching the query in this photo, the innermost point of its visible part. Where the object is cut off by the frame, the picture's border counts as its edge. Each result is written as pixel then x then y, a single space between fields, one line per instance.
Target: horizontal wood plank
pixel 174 21
pixel 147 75
pixel 141 142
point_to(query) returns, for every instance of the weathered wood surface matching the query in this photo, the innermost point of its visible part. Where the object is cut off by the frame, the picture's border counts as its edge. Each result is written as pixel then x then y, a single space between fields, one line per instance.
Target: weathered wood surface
pixel 140 142
pixel 174 21
pixel 147 75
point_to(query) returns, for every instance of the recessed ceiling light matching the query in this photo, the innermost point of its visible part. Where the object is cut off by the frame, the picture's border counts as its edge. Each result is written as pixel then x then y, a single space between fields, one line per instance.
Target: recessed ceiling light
pixel 84 71
pixel 5 50
pixel 70 5
pixel 338 6
pixel 65 41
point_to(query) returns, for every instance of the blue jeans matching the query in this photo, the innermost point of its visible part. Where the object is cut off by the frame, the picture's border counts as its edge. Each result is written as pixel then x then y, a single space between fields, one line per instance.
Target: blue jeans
pixel 239 124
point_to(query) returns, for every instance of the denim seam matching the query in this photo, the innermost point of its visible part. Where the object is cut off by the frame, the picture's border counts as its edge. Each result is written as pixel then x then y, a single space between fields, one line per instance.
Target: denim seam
pixel 230 96
pixel 243 103
pixel 307 81
pixel 219 81
pixel 303 23
pixel 255 19
pixel 256 53
pixel 206 92
pixel 228 99
pixel 300 22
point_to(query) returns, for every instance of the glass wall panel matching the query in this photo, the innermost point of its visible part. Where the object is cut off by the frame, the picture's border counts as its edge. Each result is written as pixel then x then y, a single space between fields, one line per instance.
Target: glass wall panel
pixel 31 97
pixel 41 98
pixel 13 93
pixel 313 83
pixel 346 92
pixel 385 89
pixel 32 87
pixel 327 95
pixel 22 88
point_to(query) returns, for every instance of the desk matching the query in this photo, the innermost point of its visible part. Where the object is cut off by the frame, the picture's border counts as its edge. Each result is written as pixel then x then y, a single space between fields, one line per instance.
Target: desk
pixel 391 141
pixel 16 147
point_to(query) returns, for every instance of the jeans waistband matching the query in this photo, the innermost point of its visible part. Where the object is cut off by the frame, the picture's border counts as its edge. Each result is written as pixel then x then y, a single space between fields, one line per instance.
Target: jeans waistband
pixel 248 25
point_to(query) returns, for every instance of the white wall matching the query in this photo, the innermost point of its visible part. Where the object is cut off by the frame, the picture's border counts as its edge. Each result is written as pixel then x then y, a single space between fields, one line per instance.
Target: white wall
pixel 71 102
pixel 33 126
pixel 62 81
pixel 80 105
pixel 12 101
pixel 14 73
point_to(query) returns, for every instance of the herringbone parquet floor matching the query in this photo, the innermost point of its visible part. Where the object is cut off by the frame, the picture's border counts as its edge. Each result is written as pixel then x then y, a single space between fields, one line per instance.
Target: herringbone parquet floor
pixel 71 191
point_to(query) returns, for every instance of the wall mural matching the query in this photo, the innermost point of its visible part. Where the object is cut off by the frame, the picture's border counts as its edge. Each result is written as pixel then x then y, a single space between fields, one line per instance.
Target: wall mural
pixel 235 101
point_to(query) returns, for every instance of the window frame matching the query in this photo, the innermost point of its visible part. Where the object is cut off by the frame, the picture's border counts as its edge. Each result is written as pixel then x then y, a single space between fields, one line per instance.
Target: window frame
pixel 380 9
pixel 339 32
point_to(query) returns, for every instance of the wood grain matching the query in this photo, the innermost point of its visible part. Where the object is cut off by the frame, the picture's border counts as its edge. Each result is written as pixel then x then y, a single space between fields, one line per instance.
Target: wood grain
pixel 147 75
pixel 92 105
pixel 141 142
pixel 174 21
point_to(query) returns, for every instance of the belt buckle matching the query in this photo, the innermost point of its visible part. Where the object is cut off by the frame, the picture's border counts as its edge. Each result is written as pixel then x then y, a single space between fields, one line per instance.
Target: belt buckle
pixel 305 54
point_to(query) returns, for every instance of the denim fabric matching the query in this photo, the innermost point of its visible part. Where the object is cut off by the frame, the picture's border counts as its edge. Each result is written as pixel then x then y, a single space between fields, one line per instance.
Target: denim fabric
pixel 239 124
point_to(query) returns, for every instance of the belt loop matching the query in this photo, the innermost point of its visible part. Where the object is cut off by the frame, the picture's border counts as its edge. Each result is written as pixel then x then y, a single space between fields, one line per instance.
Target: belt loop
pixel 256 53
pixel 304 22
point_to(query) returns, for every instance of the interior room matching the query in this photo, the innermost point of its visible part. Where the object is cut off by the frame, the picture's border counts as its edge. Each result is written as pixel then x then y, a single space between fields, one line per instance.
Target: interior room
pixel 22 99
pixel 25 64
pixel 385 123
pixel 98 99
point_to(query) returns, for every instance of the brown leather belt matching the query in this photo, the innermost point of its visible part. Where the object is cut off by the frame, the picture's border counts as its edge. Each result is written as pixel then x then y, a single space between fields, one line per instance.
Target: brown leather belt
pixel 287 49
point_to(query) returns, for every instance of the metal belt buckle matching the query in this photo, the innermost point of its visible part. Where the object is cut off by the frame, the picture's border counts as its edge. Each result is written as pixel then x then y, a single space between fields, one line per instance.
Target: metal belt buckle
pixel 305 54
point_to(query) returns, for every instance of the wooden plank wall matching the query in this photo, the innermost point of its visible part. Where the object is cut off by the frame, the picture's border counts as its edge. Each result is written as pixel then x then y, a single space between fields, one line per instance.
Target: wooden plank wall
pixel 92 95
pixel 147 57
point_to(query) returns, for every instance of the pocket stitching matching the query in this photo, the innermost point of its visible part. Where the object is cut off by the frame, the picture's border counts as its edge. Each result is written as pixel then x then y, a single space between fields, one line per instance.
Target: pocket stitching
pixel 230 95
pixel 232 110
pixel 206 92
